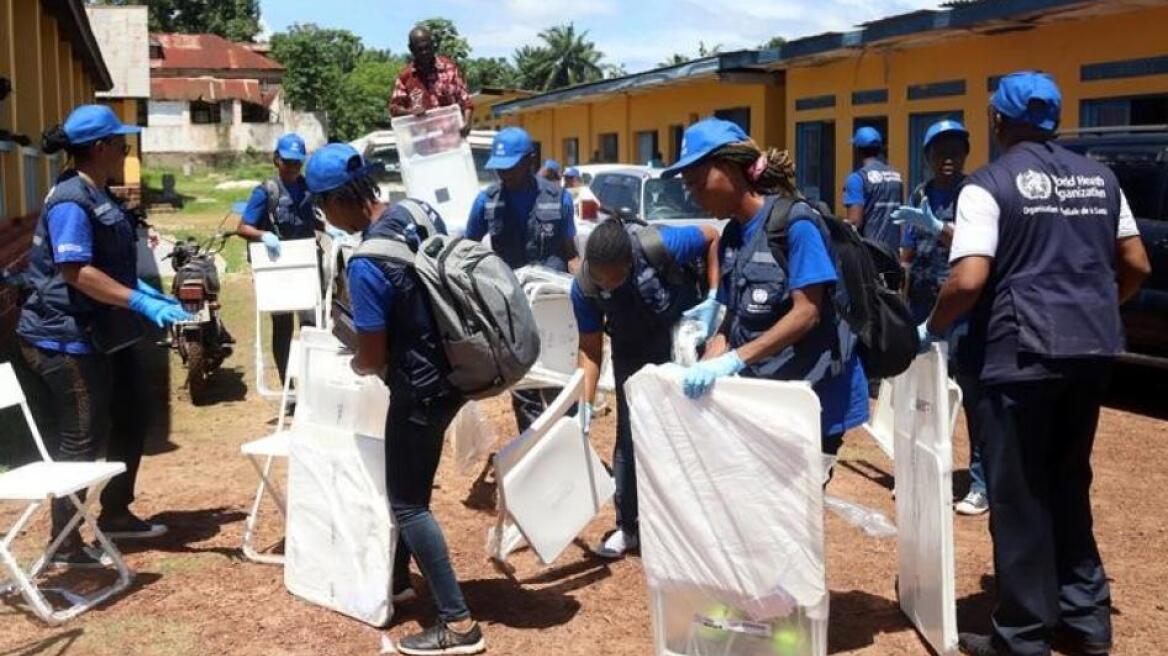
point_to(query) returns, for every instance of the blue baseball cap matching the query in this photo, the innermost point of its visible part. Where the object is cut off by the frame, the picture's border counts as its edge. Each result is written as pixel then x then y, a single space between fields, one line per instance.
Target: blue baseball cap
pixel 1029 96
pixel 572 172
pixel 867 137
pixel 510 145
pixel 335 165
pixel 551 165
pixel 703 138
pixel 290 147
pixel 944 127
pixel 88 123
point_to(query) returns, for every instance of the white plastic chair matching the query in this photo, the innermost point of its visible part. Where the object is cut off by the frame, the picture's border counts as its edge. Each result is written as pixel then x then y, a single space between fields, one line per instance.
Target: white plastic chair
pixel 269 448
pixel 290 283
pixel 38 484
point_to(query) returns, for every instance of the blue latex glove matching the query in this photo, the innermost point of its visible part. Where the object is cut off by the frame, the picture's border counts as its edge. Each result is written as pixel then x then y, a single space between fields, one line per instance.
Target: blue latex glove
pixel 927 338
pixel 272 242
pixel 920 218
pixel 706 312
pixel 158 311
pixel 700 377
pixel 586 413
pixel 149 290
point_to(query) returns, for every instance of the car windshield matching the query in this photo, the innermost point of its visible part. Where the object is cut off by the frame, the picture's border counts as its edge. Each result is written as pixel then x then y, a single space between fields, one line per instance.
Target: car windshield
pixel 388 156
pixel 669 199
pixel 1139 170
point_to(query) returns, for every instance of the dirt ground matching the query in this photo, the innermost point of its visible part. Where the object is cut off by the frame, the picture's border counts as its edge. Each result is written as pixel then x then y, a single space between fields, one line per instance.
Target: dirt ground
pixel 194 595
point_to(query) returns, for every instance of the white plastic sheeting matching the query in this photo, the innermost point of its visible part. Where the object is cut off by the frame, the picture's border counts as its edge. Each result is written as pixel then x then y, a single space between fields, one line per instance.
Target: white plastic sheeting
pixel 924 420
pixel 551 482
pixel 289 282
pixel 472 438
pixel 731 504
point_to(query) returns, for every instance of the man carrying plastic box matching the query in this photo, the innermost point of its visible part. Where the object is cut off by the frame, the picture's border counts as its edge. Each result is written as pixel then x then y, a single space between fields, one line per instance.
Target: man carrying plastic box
pixel 430 81
pixel 531 220
pixel 280 209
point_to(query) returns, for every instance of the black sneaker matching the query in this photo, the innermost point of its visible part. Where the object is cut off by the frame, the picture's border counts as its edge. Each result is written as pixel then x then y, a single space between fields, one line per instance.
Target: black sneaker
pixel 84 557
pixel 441 639
pixel 1071 642
pixel 976 644
pixel 129 527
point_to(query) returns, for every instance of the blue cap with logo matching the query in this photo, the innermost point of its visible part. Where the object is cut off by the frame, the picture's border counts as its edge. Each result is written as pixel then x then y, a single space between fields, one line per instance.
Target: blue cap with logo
pixel 290 147
pixel 551 165
pixel 703 138
pixel 336 165
pixel 510 146
pixel 867 137
pixel 88 123
pixel 572 172
pixel 945 126
pixel 1029 96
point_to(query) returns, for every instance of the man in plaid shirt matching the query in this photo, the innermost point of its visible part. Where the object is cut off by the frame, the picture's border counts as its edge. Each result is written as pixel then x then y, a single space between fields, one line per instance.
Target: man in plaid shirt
pixel 429 82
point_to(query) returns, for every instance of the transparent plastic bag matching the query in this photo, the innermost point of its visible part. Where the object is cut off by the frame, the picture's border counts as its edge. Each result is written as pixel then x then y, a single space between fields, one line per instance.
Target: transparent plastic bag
pixel 869 520
pixel 472 437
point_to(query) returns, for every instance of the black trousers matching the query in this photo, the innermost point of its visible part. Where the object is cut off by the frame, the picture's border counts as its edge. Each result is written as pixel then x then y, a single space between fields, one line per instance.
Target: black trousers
pixel 1036 441
pixel 529 404
pixel 87 406
pixel 282 328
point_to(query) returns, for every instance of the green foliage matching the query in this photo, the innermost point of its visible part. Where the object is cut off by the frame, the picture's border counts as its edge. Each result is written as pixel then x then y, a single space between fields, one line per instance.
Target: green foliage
pixel 490 72
pixel 566 58
pixel 775 43
pixel 703 51
pixel 365 91
pixel 235 20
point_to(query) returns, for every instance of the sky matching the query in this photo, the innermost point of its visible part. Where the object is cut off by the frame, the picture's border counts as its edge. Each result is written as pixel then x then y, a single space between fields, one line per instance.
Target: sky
pixel 636 33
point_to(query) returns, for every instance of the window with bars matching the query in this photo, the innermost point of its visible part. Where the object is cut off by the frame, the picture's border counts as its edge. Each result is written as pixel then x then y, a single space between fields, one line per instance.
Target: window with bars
pixel 253 113
pixel 32 178
pixel 204 113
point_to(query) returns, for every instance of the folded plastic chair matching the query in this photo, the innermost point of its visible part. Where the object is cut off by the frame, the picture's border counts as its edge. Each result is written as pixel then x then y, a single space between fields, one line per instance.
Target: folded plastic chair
pixel 731 515
pixel 925 416
pixel 880 426
pixel 551 482
pixel 36 485
pixel 289 283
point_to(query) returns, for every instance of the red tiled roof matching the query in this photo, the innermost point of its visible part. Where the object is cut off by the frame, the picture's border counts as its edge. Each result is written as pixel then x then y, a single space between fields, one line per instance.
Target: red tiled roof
pixel 208 52
pixel 208 89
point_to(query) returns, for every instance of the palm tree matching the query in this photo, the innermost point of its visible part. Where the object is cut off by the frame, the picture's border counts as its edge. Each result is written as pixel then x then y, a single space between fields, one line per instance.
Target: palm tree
pixel 567 58
pixel 674 60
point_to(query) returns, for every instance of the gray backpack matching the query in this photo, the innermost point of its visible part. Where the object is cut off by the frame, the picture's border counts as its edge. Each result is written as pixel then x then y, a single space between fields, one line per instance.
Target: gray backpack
pixel 483 317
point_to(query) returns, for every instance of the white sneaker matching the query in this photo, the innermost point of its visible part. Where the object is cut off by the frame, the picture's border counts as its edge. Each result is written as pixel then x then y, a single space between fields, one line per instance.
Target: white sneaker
pixel 617 545
pixel 974 503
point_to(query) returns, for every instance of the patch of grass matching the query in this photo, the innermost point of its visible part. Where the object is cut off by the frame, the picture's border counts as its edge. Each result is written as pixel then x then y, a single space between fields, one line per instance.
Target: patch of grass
pixel 110 637
pixel 173 565
pixel 198 190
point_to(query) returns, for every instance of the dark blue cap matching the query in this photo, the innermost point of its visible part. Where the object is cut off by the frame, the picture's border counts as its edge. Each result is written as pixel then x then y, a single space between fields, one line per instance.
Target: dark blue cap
pixel 510 145
pixel 703 138
pixel 290 147
pixel 867 137
pixel 944 127
pixel 1029 96
pixel 551 165
pixel 334 166
pixel 88 123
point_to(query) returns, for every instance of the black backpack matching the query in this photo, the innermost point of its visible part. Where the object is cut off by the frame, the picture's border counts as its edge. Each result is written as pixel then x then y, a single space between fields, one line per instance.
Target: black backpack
pixel 872 277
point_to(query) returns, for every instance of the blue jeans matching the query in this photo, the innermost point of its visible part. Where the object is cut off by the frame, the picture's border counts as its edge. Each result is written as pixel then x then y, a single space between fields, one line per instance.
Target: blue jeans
pixel 970 393
pixel 413 446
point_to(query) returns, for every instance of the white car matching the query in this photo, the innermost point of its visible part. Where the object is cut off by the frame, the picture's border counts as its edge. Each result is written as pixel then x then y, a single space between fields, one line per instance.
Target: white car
pixel 639 190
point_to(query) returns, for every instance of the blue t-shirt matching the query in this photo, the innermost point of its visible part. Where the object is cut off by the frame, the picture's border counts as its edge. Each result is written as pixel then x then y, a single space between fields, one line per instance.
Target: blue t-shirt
pixel 518 205
pixel 370 295
pixel 256 211
pixel 72 237
pixel 854 189
pixel 844 398
pixel 685 244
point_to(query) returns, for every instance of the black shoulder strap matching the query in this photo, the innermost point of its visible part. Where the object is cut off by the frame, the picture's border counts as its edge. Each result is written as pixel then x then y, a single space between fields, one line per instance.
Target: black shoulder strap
pixel 273 189
pixel 654 247
pixel 776 226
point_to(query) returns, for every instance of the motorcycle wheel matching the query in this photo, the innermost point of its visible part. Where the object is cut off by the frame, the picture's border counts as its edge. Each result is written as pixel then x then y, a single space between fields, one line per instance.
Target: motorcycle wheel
pixel 198 372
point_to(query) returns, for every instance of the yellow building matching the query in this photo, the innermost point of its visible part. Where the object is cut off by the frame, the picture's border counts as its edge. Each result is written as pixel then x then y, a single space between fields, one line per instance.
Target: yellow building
pixel 899 74
pixel 51 61
pixel 483 117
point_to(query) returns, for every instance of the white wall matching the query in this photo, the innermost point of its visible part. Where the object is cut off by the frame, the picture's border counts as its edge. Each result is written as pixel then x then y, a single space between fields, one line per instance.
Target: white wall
pixel 169 130
pixel 125 46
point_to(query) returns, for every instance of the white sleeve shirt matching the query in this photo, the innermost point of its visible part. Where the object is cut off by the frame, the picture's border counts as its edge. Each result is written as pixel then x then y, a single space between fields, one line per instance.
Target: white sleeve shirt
pixel 975 229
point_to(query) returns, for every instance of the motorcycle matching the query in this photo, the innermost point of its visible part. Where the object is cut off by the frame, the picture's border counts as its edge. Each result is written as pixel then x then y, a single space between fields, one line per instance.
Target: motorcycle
pixel 204 342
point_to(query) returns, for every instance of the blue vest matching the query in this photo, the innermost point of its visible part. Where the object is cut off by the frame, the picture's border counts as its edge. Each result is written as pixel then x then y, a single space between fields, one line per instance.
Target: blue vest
pixel 640 314
pixel 292 220
pixel 930 266
pixel 883 193
pixel 759 296
pixel 1051 298
pixel 417 361
pixel 54 310
pixel 543 242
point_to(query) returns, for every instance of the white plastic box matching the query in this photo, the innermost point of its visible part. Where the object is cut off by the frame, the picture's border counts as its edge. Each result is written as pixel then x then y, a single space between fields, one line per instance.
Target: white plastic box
pixel 290 282
pixel 436 163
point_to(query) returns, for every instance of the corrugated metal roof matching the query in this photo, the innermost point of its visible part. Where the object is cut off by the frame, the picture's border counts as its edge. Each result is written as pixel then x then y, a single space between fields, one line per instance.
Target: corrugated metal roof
pixel 208 89
pixel 208 52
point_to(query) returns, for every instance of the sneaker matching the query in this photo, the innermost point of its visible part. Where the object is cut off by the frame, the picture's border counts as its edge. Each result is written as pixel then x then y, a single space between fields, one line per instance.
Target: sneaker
pixel 617 545
pixel 974 503
pixel 976 644
pixel 1071 642
pixel 129 527
pixel 404 595
pixel 441 639
pixel 84 557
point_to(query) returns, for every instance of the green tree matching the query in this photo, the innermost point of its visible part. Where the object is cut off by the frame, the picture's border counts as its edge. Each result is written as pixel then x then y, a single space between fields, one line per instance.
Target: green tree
pixel 674 60
pixel 447 41
pixel 236 20
pixel 774 43
pixel 565 58
pixel 677 58
pixel 496 72
pixel 365 92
